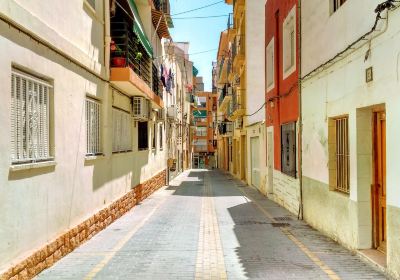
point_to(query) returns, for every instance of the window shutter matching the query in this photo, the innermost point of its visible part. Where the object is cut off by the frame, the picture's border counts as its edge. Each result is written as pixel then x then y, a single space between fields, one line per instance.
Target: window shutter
pixel 29 118
pixel 288 149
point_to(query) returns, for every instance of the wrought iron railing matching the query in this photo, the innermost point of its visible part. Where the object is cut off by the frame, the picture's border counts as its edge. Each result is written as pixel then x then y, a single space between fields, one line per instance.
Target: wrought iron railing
pixel 156 82
pixel 128 51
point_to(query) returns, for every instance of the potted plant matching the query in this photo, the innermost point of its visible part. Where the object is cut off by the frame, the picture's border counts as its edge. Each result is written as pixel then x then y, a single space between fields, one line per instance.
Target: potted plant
pixel 138 56
pixel 117 60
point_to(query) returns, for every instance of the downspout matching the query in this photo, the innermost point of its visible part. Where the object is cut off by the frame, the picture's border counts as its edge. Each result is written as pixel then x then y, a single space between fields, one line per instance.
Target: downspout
pixel 300 214
pixel 107 38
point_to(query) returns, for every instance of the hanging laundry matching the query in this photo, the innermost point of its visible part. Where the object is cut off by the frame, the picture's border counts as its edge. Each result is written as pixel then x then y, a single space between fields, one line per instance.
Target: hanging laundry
pixel 169 81
pixel 162 78
pixel 165 76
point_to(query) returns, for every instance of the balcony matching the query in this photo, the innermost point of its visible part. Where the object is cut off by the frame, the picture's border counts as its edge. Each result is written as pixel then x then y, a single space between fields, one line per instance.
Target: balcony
pixel 223 71
pixel 237 105
pixel 230 28
pixel 238 11
pixel 164 7
pixel 131 63
pixel 238 52
pixel 224 98
pixel 225 128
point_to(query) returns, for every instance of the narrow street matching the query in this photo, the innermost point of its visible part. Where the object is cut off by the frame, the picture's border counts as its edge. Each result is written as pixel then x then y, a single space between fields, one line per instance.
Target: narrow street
pixel 207 225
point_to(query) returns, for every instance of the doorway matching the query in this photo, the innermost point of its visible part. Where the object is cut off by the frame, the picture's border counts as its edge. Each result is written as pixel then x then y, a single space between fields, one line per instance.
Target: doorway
pixel 255 161
pixel 379 182
pixel 243 157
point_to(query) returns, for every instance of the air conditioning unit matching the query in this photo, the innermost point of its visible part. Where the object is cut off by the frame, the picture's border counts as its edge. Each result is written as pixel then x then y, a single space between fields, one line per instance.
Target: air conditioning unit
pixel 161 114
pixel 141 108
pixel 171 112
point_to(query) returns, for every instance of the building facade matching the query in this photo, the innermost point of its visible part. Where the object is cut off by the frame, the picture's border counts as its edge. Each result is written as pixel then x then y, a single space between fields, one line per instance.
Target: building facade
pixel 203 141
pixel 350 107
pixel 282 103
pixel 241 93
pixel 83 116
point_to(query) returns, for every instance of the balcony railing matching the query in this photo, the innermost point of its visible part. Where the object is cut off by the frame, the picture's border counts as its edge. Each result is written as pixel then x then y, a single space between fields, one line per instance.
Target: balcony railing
pixel 222 95
pixel 162 6
pixel 238 46
pixel 129 52
pixel 230 21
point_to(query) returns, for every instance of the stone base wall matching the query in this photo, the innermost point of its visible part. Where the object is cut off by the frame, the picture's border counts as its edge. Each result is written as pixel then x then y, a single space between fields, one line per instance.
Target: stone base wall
pixel 67 242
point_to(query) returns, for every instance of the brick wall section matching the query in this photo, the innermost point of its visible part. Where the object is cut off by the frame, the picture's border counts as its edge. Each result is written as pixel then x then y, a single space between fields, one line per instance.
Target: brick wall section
pixel 286 191
pixel 66 243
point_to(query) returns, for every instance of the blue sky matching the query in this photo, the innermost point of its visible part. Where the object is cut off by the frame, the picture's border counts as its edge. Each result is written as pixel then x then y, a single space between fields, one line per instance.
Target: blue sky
pixel 203 34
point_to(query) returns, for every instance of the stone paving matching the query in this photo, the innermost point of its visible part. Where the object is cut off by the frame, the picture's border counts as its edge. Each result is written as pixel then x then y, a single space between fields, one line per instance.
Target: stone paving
pixel 207 225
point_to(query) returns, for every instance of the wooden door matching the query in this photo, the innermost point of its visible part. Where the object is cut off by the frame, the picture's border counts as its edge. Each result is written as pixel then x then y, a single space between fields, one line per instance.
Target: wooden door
pixel 379 186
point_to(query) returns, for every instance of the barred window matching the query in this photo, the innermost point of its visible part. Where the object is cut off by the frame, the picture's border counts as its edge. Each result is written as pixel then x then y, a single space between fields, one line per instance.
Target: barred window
pixel 93 145
pixel 288 149
pixel 160 134
pixel 29 118
pixel 122 131
pixel 342 155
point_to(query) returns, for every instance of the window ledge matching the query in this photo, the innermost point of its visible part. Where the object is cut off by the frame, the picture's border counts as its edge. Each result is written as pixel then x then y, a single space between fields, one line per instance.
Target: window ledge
pixel 33 165
pixel 94 157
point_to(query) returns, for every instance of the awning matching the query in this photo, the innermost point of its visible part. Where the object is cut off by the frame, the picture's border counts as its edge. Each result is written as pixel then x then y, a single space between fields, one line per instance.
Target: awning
pixel 138 29
pixel 195 71
pixel 199 113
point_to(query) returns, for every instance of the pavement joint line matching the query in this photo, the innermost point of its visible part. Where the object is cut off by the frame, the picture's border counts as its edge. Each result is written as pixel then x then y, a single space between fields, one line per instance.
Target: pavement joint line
pixel 210 258
pixel 122 242
pixel 324 267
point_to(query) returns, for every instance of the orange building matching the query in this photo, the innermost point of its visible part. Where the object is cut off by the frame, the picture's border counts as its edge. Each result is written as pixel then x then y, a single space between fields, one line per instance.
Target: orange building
pixel 204 144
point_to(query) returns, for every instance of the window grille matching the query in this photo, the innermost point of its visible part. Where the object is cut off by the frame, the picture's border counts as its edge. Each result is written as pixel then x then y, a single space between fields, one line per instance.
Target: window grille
pixel 161 136
pixel 288 149
pixel 93 145
pixel 122 131
pixel 29 119
pixel 201 131
pixel 342 156
pixel 153 146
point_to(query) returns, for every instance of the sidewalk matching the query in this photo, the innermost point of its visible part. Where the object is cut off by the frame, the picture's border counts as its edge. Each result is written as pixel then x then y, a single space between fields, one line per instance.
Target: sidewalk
pixel 206 225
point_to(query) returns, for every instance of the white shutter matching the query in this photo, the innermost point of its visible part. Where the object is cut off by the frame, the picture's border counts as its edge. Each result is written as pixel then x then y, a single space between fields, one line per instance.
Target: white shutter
pixel 122 131
pixel 29 118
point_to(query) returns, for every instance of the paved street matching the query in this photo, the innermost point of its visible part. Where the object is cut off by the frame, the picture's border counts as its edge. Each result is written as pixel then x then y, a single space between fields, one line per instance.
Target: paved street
pixel 207 225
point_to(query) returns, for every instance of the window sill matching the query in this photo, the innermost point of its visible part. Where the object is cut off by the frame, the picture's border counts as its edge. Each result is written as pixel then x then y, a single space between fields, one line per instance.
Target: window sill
pixel 94 157
pixel 33 165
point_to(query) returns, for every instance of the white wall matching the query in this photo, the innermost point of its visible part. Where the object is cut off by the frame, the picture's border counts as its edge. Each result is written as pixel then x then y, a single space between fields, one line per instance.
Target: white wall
pixel 39 204
pixel 255 58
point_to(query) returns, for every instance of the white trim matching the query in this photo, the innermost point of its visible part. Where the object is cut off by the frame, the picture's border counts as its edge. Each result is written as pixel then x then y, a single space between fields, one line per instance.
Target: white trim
pixel 32 165
pixel 270 58
pixel 289 26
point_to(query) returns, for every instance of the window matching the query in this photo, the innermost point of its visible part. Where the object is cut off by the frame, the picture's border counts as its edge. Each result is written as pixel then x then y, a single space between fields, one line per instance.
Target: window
pixel 270 69
pixel 202 101
pixel 201 131
pixel 143 140
pixel 93 145
pixel 336 4
pixel 289 43
pixel 30 120
pixel 160 134
pixel 288 149
pixel 341 164
pixel 122 131
pixel 153 145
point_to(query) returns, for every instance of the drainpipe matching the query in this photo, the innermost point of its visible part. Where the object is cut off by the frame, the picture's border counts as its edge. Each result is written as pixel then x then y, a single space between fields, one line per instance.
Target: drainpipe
pixel 300 214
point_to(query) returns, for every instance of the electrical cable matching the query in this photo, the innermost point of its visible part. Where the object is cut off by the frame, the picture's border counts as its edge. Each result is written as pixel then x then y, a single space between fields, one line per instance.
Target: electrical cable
pixel 200 17
pixel 199 8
